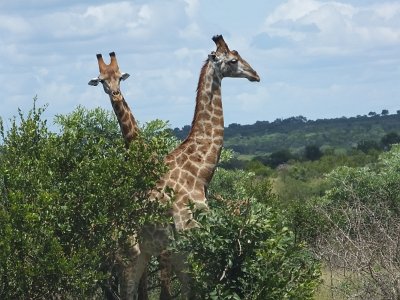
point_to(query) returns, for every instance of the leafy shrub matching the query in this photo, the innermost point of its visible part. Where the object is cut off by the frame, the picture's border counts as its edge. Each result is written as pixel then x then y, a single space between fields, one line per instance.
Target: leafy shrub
pixel 243 248
pixel 69 199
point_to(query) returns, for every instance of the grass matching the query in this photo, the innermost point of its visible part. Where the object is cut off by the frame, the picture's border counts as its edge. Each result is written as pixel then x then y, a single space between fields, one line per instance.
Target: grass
pixel 331 281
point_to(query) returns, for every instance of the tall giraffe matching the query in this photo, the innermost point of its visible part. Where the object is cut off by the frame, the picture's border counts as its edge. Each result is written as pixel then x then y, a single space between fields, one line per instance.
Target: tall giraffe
pixel 110 77
pixel 191 166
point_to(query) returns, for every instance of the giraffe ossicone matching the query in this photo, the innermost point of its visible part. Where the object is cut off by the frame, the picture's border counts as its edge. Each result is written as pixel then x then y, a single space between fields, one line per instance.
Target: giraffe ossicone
pixel 110 77
pixel 103 69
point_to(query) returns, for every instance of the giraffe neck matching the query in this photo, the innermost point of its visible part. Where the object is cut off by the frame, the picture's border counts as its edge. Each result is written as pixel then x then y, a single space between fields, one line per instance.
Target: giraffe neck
pixel 192 164
pixel 126 120
pixel 207 131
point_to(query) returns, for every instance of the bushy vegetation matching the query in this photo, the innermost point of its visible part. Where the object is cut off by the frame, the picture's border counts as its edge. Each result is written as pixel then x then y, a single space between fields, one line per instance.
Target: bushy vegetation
pixel 244 249
pixel 345 206
pixel 69 200
pixel 361 241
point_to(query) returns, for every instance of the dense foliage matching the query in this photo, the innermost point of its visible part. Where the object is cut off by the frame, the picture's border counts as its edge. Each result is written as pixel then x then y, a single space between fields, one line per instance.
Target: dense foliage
pixel 69 199
pixel 243 249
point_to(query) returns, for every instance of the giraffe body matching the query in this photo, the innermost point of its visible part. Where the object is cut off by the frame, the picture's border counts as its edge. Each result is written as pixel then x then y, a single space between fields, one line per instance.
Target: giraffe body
pixel 110 78
pixel 191 166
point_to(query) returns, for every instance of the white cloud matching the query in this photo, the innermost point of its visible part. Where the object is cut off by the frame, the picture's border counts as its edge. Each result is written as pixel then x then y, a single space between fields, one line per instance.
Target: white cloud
pixel 40 74
pixel 387 11
pixel 192 7
pixel 13 53
pixel 56 92
pixel 190 55
pixel 337 23
pixel 120 19
pixel 182 52
pixel 14 25
pixel 95 19
pixel 183 74
pixel 292 10
pixel 192 31
pixel 145 14
pixel 247 101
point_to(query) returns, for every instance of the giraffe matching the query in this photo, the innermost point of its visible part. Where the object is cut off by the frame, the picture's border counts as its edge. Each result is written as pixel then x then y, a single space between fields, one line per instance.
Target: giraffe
pixel 191 167
pixel 110 77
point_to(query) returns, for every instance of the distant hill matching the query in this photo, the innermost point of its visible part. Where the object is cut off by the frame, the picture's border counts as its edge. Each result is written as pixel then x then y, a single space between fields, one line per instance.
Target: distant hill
pixel 295 133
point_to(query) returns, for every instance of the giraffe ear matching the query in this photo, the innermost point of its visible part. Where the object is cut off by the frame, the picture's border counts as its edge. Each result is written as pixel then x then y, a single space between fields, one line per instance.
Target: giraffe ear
pixel 212 56
pixel 124 76
pixel 94 81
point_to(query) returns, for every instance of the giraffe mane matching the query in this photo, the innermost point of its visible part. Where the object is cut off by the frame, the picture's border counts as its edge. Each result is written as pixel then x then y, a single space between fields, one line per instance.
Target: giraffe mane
pixel 202 71
pixel 200 85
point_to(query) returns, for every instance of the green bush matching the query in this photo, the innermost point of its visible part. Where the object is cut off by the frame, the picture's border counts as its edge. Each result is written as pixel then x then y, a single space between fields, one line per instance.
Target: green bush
pixel 243 248
pixel 69 199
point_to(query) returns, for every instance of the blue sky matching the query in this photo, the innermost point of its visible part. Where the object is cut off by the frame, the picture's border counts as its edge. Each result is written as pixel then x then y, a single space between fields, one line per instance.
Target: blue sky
pixel 316 58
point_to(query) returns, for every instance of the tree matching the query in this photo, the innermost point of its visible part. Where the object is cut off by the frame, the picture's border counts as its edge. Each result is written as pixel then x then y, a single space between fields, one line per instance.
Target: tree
pixel 367 145
pixel 69 200
pixel 372 114
pixel 279 157
pixel 390 139
pixel 384 112
pixel 312 152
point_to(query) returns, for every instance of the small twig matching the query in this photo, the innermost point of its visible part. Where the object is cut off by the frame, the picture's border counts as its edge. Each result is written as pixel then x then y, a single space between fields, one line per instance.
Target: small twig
pixel 224 273
pixel 240 246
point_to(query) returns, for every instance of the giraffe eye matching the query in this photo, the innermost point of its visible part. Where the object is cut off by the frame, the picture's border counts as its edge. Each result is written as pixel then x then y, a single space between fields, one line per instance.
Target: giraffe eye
pixel 233 61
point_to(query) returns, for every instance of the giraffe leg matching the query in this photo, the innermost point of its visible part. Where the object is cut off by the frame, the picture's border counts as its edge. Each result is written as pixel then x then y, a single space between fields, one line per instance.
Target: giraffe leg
pixel 142 290
pixel 126 281
pixel 130 276
pixel 111 288
pixel 181 268
pixel 165 275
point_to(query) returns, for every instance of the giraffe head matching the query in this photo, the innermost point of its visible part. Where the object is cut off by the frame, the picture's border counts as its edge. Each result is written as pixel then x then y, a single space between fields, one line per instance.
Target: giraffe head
pixel 110 75
pixel 228 63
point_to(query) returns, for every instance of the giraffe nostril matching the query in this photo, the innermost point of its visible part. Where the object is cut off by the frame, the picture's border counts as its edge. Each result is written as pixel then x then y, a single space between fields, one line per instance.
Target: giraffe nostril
pixel 115 93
